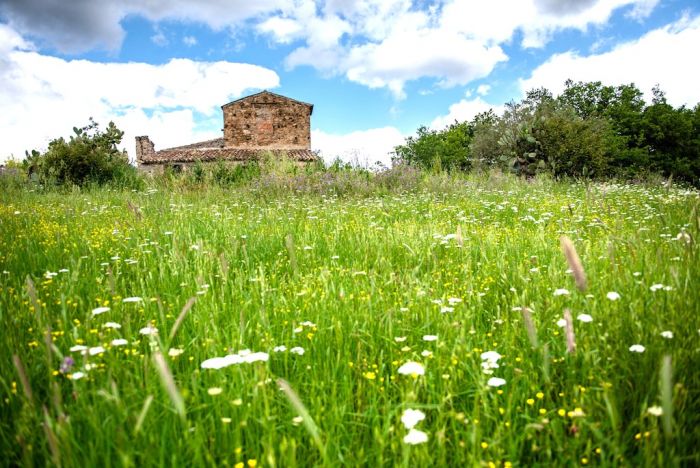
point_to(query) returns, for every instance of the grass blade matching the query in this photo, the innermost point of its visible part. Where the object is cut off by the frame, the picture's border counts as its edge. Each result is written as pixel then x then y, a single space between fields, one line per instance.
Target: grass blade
pixel 309 423
pixel 181 317
pixel 666 384
pixel 142 414
pixel 166 378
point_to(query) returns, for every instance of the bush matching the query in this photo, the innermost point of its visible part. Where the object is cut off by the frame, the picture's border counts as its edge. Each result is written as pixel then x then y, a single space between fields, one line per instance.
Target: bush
pixel 88 157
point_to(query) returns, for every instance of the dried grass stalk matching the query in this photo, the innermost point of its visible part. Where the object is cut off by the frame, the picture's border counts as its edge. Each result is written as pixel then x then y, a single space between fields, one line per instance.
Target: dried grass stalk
pixel 570 336
pixel 574 262
pixel 23 378
pixel 530 326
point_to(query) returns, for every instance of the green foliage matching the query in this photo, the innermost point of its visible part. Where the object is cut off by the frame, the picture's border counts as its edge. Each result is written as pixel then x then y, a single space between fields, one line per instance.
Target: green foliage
pixel 227 175
pixel 590 130
pixel 90 156
pixel 438 149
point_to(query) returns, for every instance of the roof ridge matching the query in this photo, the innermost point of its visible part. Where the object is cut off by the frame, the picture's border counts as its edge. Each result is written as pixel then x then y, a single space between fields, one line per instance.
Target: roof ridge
pixel 264 91
pixel 196 144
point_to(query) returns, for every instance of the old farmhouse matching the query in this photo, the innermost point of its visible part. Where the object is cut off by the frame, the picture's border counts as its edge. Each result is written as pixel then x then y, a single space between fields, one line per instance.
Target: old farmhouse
pixel 263 123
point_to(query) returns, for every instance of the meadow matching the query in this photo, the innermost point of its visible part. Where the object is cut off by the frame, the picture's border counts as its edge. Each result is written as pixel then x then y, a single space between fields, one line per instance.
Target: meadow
pixel 239 327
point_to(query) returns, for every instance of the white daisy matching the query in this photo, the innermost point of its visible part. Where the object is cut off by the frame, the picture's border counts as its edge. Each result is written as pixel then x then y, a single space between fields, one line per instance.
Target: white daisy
pixel 412 368
pixel 495 382
pixel 411 417
pixel 99 310
pixel 132 299
pixel 613 296
pixel 415 437
pixel 96 350
pixel 148 331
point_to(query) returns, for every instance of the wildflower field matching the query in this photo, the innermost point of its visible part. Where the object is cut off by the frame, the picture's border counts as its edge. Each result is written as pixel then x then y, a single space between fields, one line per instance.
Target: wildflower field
pixel 500 323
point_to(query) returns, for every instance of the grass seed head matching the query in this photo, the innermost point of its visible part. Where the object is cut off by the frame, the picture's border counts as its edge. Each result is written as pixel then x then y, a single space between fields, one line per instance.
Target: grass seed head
pixel 574 262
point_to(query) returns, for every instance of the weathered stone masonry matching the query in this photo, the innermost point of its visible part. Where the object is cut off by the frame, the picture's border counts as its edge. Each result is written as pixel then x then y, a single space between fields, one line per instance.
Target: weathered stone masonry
pixel 267 120
pixel 261 123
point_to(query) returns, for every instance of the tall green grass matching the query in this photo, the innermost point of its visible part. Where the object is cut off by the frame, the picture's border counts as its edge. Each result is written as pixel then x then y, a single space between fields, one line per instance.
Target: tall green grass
pixel 360 284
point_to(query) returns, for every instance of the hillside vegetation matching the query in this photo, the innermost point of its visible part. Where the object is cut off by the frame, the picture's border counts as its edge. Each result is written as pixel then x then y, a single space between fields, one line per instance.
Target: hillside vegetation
pixel 590 130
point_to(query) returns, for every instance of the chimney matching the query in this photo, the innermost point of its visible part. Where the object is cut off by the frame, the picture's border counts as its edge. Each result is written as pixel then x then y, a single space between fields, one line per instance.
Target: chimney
pixel 144 148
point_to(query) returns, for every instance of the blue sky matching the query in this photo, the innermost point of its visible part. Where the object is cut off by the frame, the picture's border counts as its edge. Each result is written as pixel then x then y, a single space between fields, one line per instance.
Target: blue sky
pixel 374 70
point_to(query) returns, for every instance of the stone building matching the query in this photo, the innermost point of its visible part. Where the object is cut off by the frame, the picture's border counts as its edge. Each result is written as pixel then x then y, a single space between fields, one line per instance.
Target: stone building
pixel 263 123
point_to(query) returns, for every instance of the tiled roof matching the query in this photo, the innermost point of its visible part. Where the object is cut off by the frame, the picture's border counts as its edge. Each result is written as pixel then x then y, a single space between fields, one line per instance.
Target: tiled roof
pixel 198 152
pixel 215 143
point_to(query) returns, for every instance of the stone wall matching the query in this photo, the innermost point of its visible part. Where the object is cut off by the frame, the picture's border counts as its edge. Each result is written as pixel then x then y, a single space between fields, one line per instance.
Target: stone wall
pixel 267 121
pixel 144 148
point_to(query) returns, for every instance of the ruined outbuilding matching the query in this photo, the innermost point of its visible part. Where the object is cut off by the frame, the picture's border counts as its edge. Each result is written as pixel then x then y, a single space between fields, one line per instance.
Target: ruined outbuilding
pixel 256 125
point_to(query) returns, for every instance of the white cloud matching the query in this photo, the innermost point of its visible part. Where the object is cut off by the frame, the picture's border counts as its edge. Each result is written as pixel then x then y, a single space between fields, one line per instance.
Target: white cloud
pixel 159 38
pixel 393 42
pixel 83 25
pixel 483 89
pixel 283 30
pixel 408 48
pixel 496 21
pixel 323 50
pixel 662 56
pixel 364 147
pixel 464 110
pixel 43 97
pixel 410 55
pixel 189 41
pixel 377 43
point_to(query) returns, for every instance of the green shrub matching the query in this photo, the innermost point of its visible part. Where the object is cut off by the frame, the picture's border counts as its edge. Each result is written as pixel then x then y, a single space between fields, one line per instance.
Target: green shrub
pixel 90 156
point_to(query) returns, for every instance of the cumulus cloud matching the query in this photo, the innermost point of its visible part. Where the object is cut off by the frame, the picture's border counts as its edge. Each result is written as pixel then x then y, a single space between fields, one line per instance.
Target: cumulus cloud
pixel 364 147
pixel 43 97
pixel 496 21
pixel 411 55
pixel 563 7
pixel 283 30
pixel 390 43
pixel 464 110
pixel 661 56
pixel 82 25
pixel 377 43
pixel 408 47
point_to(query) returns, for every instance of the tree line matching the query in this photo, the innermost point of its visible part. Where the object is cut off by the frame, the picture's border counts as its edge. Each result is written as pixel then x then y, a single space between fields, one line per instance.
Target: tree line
pixel 589 130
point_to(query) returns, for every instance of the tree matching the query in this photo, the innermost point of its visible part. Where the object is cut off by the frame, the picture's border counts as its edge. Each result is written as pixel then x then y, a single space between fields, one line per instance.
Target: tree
pixel 448 148
pixel 89 156
pixel 672 137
